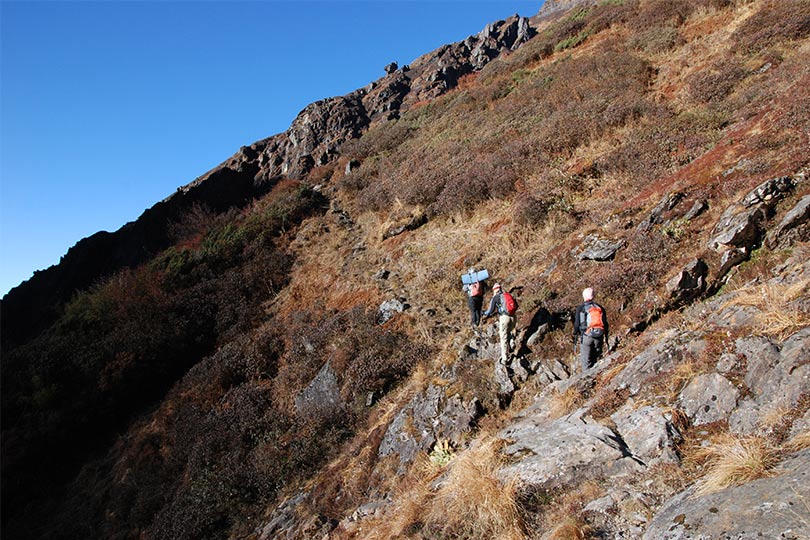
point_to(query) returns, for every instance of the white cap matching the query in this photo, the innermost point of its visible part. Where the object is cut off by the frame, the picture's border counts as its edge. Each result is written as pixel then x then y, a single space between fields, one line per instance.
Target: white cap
pixel 587 294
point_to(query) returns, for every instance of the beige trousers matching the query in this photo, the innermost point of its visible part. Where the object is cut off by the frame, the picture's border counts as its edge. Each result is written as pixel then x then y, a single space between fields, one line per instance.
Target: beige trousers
pixel 506 328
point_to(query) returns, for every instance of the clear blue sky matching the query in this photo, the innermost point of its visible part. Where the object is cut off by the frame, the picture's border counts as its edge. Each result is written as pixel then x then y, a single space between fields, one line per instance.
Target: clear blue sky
pixel 109 106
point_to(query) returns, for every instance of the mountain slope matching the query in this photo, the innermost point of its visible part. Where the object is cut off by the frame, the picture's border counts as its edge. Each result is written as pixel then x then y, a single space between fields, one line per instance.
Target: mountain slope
pixel 301 366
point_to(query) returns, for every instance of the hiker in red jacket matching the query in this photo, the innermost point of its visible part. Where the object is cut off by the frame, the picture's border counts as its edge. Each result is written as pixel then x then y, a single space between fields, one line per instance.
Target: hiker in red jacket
pixel 506 306
pixel 590 328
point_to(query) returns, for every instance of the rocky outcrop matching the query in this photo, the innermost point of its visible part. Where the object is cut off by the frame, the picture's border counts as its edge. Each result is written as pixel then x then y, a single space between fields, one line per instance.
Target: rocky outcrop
pixel 566 450
pixel 775 507
pixel 429 416
pixel 794 227
pixel 741 226
pixel 688 284
pixel 594 248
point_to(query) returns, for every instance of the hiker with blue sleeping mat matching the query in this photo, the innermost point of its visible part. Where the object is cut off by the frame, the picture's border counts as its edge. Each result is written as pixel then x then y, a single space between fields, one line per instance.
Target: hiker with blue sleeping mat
pixel 474 285
pixel 590 328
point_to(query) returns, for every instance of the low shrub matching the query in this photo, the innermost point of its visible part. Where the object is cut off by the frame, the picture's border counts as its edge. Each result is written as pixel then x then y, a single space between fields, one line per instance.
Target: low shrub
pixel 715 82
pixel 776 21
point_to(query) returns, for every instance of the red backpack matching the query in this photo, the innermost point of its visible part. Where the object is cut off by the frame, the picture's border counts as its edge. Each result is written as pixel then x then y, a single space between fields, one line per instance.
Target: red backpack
pixel 510 303
pixel 594 325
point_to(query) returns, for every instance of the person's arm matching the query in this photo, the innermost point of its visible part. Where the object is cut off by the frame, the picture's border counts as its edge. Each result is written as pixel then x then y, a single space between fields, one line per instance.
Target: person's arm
pixel 491 307
pixel 605 321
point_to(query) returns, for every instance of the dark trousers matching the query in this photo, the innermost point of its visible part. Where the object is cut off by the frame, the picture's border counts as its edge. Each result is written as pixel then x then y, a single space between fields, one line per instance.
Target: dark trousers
pixel 589 350
pixel 475 303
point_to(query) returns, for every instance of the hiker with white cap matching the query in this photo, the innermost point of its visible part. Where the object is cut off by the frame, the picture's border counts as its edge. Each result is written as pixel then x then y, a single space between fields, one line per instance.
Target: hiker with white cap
pixel 506 307
pixel 590 328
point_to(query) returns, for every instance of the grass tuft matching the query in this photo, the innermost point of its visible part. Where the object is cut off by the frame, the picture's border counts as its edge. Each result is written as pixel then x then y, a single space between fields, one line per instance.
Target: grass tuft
pixel 733 461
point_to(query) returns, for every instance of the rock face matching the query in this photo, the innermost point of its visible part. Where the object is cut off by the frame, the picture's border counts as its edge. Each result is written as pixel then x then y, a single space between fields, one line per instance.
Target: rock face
pixel 322 396
pixel 766 508
pixel 741 226
pixel 595 248
pixel 709 398
pixel 568 450
pixel 794 227
pixel 689 283
pixel 429 416
pixel 777 377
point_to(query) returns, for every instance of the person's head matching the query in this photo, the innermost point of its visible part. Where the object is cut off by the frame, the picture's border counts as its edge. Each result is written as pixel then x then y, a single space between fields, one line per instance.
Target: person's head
pixel 587 294
pixel 496 288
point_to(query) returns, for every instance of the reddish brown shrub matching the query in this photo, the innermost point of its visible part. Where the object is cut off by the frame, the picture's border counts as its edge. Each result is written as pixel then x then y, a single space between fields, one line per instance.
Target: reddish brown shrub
pixel 715 82
pixel 775 22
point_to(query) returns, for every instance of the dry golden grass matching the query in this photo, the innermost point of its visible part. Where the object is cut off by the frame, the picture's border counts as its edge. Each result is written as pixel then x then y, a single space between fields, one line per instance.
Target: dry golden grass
pixel 569 529
pixel 469 502
pixel 797 443
pixel 562 518
pixel 776 317
pixel 563 403
pixel 473 502
pixel 732 461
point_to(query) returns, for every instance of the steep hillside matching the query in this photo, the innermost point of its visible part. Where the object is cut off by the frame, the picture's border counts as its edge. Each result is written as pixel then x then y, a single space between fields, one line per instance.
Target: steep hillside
pixel 291 356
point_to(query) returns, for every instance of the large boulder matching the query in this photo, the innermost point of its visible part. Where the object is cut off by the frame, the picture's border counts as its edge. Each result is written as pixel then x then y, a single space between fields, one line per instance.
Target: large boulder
pixel 773 508
pixel 564 451
pixel 778 376
pixel 795 226
pixel 428 416
pixel 708 398
pixel 648 433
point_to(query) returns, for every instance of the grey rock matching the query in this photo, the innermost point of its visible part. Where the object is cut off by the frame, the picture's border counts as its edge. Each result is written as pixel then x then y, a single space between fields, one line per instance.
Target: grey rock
pixel 504 383
pixel 768 192
pixel 656 214
pixel 689 283
pixel 793 227
pixel 777 378
pixel 731 258
pixel 648 434
pixel 737 227
pixel 389 308
pixel 659 357
pixel 698 208
pixel 428 416
pixel 321 397
pixel 727 363
pixel 565 450
pixel 709 398
pixel 740 224
pixel 283 521
pixel 598 249
pixel 773 508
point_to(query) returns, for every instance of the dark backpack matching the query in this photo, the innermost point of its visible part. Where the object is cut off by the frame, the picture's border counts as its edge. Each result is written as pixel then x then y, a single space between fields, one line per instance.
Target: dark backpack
pixel 591 321
pixel 509 303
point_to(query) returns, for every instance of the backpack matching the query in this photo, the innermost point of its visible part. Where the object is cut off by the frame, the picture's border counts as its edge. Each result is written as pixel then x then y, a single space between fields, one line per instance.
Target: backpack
pixel 509 303
pixel 475 289
pixel 591 321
